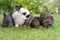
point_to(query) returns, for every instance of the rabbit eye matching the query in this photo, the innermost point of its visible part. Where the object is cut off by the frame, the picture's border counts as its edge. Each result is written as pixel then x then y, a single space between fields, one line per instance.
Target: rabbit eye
pixel 24 13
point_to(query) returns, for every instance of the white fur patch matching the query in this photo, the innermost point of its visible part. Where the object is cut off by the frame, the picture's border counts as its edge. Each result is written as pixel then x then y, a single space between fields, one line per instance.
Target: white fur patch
pixel 22 10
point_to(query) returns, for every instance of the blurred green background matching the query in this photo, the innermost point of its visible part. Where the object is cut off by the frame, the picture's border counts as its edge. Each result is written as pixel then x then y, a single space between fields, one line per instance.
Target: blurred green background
pixel 35 6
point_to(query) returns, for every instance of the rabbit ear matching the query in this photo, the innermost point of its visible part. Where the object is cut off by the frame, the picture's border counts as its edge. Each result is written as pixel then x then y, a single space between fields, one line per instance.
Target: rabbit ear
pixel 4 14
pixel 20 6
pixel 17 7
pixel 10 13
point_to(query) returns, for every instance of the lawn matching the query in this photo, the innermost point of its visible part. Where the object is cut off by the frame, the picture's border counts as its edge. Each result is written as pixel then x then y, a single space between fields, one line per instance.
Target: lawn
pixel 22 33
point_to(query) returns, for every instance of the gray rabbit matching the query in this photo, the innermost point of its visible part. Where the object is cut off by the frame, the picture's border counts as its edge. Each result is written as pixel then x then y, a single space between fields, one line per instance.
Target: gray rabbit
pixel 7 20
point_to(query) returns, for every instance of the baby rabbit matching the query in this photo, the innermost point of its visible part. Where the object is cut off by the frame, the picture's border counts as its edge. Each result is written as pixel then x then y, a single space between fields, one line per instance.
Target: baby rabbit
pixel 7 20
pixel 46 19
pixel 33 22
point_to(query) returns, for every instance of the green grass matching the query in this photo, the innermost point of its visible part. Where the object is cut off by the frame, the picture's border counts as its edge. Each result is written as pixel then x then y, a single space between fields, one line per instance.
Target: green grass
pixel 21 33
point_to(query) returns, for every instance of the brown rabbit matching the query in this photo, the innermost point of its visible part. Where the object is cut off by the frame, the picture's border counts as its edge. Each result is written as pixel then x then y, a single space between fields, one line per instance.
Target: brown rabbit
pixel 33 22
pixel 46 19
pixel 29 20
